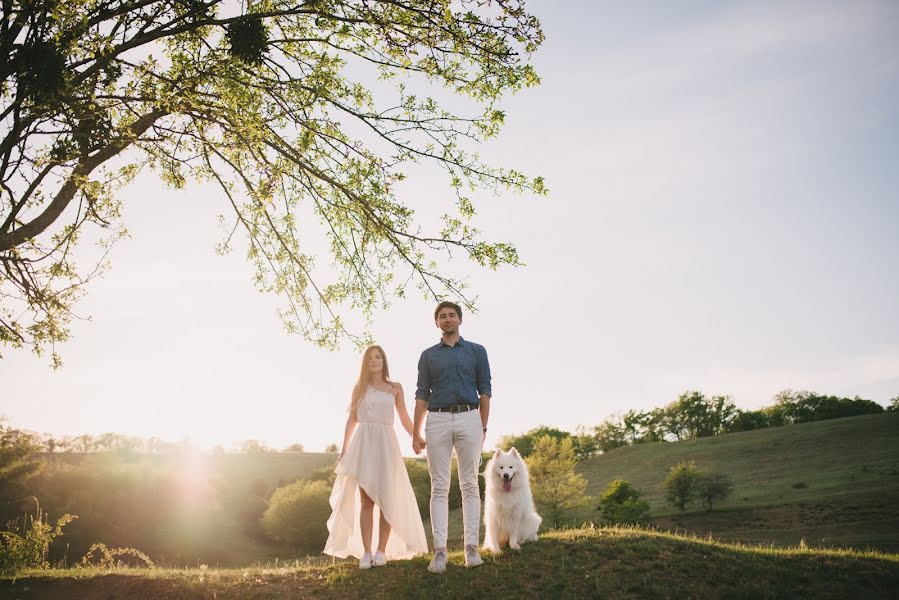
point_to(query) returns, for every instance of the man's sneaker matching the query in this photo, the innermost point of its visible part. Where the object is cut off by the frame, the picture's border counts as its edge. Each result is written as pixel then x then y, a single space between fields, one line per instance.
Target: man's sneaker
pixel 438 563
pixel 472 558
pixel 365 561
pixel 380 560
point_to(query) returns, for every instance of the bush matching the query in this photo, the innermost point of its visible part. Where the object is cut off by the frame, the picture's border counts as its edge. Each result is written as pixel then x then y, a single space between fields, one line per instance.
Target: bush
pixel 421 484
pixel 556 487
pixel 101 556
pixel 620 504
pixel 713 487
pixel 27 547
pixel 297 514
pixel 681 485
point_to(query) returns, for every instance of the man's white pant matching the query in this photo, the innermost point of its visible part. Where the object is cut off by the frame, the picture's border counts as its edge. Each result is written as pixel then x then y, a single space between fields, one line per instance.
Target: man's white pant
pixel 464 433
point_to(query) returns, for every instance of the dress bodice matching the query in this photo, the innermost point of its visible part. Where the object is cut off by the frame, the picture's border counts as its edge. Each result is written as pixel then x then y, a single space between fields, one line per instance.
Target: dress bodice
pixel 377 407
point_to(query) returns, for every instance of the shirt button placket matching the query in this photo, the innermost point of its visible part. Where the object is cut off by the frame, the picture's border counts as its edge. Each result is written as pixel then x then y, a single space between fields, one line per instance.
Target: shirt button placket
pixel 454 374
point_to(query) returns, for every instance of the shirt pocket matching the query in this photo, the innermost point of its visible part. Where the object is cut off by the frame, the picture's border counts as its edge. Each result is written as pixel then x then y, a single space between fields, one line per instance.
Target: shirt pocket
pixel 466 367
pixel 438 370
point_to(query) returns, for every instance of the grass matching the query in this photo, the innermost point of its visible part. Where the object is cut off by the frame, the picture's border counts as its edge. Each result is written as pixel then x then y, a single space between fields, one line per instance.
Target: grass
pixel 810 462
pixel 826 483
pixel 848 470
pixel 578 563
pixel 830 483
pixel 237 470
pixel 111 493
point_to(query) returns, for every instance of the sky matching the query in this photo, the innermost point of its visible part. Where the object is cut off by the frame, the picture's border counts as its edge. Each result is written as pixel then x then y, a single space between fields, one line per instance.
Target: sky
pixel 722 216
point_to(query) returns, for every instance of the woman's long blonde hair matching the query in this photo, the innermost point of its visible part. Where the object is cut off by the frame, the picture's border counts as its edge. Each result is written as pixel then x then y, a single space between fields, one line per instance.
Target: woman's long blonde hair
pixel 362 382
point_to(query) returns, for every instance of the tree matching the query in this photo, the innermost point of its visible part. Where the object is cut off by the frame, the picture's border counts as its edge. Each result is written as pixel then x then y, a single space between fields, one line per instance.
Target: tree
pixel 585 444
pixel 610 434
pixel 713 487
pixel 749 420
pixel 620 504
pixel 253 447
pixel 331 448
pixel 19 461
pixel 525 443
pixel 693 415
pixel 84 443
pixel 297 514
pixel 804 406
pixel 894 405
pixel 556 487
pixel 294 448
pixel 301 112
pixel 644 426
pixel 681 485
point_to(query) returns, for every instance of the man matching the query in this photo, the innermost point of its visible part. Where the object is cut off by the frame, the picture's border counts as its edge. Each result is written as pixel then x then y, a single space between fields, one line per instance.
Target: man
pixel 454 390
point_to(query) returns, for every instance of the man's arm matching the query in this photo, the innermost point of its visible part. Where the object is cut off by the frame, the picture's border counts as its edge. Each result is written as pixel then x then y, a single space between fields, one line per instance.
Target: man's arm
pixel 482 367
pixel 485 388
pixel 423 386
pixel 485 414
pixel 421 407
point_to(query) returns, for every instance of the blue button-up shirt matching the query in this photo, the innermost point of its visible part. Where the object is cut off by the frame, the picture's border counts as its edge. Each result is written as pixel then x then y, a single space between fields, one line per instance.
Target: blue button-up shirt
pixel 457 374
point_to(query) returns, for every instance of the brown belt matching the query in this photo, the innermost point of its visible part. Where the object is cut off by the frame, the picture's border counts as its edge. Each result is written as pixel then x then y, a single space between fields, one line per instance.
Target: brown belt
pixel 455 408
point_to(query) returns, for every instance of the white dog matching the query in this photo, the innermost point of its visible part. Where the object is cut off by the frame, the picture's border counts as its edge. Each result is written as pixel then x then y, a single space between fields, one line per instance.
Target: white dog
pixel 509 514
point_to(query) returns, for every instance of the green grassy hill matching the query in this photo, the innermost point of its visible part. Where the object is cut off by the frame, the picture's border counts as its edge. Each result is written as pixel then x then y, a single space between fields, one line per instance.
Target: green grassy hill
pixel 832 482
pixel 587 563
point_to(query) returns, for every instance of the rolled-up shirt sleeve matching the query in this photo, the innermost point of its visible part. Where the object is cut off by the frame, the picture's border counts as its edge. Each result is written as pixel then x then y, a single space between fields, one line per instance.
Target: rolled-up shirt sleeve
pixel 484 386
pixel 423 388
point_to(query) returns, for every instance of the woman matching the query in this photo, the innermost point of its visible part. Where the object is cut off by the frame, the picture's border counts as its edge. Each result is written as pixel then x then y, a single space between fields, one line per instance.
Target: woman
pixel 372 463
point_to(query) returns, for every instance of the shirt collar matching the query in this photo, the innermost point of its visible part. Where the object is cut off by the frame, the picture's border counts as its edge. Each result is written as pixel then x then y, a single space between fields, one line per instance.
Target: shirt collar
pixel 461 342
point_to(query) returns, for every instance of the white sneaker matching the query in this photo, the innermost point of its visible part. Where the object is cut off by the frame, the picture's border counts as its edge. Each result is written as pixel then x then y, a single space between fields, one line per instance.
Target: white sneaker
pixel 438 563
pixel 472 557
pixel 365 561
pixel 380 560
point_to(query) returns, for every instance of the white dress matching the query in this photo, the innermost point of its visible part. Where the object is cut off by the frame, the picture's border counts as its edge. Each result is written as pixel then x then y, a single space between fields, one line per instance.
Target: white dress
pixel 373 461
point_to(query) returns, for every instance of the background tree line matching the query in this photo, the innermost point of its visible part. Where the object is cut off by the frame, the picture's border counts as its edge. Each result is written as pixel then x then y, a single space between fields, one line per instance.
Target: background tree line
pixel 695 415
pixel 127 444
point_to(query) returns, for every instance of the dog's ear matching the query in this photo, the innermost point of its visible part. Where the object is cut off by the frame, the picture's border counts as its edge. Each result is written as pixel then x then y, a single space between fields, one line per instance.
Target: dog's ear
pixel 514 453
pixel 497 453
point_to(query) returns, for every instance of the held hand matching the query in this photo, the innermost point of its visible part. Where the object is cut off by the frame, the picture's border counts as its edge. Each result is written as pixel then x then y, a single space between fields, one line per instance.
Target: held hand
pixel 418 444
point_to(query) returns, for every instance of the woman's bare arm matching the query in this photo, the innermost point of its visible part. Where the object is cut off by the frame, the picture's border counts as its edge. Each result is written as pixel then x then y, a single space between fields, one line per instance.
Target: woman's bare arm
pixel 401 409
pixel 347 434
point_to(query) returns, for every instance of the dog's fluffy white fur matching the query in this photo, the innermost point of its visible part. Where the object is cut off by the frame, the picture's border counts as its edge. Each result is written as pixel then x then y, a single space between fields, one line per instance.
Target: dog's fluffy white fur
pixel 509 513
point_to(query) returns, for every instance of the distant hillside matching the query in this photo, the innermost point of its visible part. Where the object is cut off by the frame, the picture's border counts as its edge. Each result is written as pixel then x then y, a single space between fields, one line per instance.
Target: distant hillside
pixel 778 465
pixel 572 564
pixel 179 509
pixel 274 468
pixel 841 477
